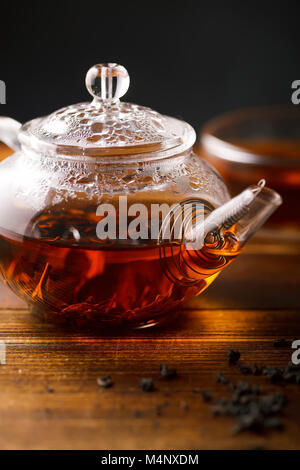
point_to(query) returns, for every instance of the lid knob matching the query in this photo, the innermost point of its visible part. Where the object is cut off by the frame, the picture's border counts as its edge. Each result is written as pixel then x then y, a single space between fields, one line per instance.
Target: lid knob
pixel 107 81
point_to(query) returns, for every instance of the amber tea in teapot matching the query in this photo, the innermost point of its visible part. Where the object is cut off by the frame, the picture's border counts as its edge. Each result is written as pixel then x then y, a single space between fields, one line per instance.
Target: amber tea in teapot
pixel 117 286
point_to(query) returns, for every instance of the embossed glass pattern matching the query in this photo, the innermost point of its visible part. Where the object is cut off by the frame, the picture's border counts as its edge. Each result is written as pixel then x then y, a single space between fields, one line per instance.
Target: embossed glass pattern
pixel 106 125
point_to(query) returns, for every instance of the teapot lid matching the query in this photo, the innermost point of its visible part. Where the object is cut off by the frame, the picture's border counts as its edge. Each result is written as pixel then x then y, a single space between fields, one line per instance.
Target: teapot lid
pixel 107 126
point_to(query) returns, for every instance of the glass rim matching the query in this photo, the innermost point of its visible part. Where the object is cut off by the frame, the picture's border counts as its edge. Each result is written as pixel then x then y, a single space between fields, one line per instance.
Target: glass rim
pixel 226 150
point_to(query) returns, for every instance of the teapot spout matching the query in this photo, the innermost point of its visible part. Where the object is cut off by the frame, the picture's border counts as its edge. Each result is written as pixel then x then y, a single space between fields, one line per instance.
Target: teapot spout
pixel 213 242
pixel 265 202
pixel 244 214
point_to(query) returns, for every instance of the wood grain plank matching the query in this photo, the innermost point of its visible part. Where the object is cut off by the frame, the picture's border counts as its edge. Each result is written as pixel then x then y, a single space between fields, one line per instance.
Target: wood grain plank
pixel 78 414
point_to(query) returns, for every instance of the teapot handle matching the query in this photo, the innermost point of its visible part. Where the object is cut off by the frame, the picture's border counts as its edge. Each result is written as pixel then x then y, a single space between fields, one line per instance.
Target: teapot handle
pixel 9 129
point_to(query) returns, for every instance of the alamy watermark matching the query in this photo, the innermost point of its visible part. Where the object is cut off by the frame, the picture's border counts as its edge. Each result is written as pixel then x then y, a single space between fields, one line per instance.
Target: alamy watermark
pixel 296 354
pixel 295 97
pixel 2 352
pixel 153 221
pixel 2 92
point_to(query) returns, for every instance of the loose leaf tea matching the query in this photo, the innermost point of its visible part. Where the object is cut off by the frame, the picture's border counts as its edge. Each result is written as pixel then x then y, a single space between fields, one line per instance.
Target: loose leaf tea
pixel 147 385
pixel 244 369
pixel 281 375
pixel 167 373
pixel 251 408
pixel 233 356
pixel 105 382
pixel 222 379
pixel 249 405
pixel 257 370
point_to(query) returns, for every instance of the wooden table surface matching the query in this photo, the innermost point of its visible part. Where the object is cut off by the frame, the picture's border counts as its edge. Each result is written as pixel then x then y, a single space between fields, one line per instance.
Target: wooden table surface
pixel 49 397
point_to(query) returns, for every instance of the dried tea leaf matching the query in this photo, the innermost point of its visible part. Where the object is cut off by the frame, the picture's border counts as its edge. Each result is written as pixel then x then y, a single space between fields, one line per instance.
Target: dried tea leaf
pixel 167 373
pixel 147 384
pixel 105 382
pixel 233 356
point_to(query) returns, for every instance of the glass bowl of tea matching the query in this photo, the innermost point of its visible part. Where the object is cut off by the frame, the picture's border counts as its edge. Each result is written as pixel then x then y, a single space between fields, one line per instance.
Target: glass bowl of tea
pixel 251 143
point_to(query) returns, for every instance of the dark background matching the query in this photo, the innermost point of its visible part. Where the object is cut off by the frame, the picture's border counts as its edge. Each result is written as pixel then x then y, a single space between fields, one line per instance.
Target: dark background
pixel 190 59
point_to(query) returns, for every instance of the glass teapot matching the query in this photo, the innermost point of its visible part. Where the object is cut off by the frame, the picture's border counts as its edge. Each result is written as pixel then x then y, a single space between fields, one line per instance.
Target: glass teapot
pixel 109 218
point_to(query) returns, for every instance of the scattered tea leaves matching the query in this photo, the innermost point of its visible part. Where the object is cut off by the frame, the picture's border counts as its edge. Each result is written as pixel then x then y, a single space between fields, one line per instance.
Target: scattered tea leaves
pixel 147 384
pixel 257 370
pixel 105 382
pixel 233 357
pixel 251 408
pixel 222 379
pixel 167 373
pixel 244 369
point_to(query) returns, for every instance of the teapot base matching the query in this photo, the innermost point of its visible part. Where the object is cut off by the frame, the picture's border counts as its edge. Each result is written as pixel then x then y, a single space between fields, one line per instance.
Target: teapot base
pixel 97 325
